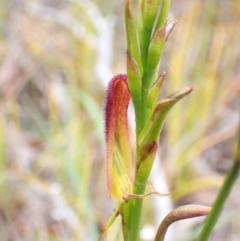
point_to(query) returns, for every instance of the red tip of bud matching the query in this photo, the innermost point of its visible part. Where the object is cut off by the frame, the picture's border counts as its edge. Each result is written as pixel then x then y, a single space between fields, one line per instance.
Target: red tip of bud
pixel 117 84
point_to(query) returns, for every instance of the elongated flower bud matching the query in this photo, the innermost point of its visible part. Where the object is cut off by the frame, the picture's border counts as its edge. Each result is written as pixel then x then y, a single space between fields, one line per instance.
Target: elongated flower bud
pixel 119 160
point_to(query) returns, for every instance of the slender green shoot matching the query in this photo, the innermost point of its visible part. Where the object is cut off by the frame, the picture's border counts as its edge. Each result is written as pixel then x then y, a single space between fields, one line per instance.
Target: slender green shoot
pixel 222 196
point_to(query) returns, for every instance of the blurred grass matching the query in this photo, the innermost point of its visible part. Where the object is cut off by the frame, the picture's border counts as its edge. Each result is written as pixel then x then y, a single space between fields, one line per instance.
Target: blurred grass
pixel 204 45
pixel 54 138
pixel 52 184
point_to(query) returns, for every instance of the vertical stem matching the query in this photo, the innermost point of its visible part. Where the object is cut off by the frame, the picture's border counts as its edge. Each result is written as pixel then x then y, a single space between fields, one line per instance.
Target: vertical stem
pixel 222 195
pixel 144 105
pixel 136 212
pixel 147 17
pixel 221 198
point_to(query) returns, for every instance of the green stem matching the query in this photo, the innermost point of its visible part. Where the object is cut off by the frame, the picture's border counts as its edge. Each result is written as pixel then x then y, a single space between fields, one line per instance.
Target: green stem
pixel 222 195
pixel 144 105
pixel 136 212
pixel 219 202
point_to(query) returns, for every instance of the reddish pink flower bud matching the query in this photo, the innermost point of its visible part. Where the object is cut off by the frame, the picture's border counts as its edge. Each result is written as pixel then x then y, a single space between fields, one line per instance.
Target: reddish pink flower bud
pixel 119 159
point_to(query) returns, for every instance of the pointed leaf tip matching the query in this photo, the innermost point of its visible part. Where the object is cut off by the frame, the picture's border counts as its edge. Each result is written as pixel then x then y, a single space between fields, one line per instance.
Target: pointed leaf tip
pixel 169 29
pixel 155 90
pixel 171 100
pixel 152 128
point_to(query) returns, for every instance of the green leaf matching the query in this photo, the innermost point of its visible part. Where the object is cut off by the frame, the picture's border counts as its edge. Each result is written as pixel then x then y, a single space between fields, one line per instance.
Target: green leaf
pixel 134 64
pixel 162 19
pixel 135 88
pixel 154 56
pixel 155 122
pixel 148 138
pixel 150 11
pixel 146 18
pixel 144 37
pixel 145 162
pixel 155 90
pixel 131 35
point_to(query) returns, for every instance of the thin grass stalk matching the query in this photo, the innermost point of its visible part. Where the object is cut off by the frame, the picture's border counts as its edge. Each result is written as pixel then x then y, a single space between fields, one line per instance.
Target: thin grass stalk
pixel 222 196
pixel 3 183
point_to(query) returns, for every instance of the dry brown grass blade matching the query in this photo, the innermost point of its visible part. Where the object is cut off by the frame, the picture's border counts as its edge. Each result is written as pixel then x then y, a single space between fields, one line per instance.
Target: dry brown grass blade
pixel 180 213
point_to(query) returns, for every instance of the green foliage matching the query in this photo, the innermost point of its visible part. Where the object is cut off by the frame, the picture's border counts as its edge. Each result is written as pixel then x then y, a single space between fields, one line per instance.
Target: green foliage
pixel 149 115
pixel 52 134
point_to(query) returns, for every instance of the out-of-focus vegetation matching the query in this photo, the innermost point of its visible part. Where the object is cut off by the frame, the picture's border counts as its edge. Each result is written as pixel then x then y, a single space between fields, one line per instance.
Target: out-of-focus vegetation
pixel 56 59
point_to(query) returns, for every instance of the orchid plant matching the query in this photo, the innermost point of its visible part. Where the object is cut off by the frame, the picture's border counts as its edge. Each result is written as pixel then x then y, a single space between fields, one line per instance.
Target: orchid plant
pixel 127 177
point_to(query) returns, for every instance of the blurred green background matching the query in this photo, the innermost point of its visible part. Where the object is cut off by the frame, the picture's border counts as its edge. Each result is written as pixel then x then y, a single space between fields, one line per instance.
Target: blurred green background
pixel 56 58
